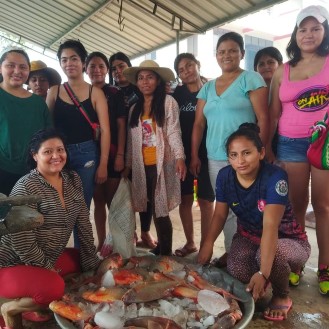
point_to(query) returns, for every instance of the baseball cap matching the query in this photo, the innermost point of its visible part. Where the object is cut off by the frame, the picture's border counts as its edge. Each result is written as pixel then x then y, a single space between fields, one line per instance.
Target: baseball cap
pixel 318 12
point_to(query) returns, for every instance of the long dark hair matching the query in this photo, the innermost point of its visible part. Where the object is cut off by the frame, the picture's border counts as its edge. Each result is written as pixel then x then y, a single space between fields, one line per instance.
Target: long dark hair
pixel 294 53
pixel 248 130
pixel 157 105
pixel 121 57
pixel 40 137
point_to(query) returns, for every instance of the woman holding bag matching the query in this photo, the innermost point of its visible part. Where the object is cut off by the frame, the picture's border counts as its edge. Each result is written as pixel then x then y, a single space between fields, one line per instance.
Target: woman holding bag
pixel 118 63
pixel 82 148
pixel 299 97
pixel 155 152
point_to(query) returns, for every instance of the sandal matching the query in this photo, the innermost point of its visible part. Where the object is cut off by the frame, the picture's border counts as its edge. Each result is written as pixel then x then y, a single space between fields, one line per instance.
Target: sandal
pixel 273 307
pixel 184 251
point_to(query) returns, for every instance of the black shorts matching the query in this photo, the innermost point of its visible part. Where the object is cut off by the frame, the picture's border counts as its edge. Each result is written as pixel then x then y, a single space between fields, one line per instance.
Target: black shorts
pixel 111 173
pixel 205 190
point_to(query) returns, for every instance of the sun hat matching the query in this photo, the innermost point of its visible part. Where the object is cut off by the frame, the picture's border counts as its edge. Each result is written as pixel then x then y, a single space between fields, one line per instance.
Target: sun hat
pixel 318 12
pixel 40 67
pixel 164 72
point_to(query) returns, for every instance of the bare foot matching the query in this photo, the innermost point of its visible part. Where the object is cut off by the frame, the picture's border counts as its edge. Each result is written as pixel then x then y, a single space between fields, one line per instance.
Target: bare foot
pixel 278 309
pixel 148 239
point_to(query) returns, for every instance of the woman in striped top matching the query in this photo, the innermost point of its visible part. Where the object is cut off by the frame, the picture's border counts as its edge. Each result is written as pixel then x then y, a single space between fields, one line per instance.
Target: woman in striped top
pixel 32 263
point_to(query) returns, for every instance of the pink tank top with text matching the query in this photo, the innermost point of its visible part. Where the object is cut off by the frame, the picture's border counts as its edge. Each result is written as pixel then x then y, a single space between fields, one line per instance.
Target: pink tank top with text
pixel 303 102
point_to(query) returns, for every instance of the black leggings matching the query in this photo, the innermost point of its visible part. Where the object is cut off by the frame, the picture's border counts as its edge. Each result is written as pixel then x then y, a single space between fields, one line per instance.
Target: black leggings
pixel 146 218
pixel 163 225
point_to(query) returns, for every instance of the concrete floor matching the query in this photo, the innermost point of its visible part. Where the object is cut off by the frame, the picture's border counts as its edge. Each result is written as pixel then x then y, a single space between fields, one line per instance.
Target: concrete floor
pixel 310 309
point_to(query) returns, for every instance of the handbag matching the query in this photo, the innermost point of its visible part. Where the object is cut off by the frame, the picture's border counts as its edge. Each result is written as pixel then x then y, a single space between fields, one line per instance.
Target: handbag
pixel 318 151
pixel 94 125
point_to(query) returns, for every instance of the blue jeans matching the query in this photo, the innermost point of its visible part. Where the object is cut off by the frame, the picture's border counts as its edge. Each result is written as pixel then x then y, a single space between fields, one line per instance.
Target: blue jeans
pixel 84 159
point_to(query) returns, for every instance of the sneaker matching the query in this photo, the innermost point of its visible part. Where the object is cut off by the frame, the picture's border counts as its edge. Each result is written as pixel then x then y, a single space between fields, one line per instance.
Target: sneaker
pixel 294 277
pixel 323 278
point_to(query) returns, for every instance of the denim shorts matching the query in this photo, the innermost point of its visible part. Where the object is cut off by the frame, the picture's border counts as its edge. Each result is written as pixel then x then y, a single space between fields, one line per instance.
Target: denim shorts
pixel 84 159
pixel 292 149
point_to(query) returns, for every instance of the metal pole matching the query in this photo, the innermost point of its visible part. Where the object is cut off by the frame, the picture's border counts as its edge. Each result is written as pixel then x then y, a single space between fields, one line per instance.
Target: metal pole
pixel 177 42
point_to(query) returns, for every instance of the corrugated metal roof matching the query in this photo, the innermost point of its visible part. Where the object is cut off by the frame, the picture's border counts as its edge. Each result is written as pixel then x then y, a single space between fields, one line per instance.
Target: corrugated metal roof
pixel 132 26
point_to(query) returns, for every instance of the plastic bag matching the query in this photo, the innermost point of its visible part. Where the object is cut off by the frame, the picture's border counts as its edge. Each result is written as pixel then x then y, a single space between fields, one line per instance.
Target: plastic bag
pixel 122 221
pixel 107 247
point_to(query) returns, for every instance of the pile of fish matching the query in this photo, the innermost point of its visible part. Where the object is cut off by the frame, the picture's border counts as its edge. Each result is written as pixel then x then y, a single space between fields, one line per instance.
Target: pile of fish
pixel 146 292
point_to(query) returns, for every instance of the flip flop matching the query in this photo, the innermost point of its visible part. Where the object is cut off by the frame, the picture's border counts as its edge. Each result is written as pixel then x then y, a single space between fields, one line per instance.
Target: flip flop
pixel 184 251
pixel 272 307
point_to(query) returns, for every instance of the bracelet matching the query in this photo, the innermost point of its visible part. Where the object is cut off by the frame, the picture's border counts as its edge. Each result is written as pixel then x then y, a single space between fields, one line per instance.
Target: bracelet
pixel 261 273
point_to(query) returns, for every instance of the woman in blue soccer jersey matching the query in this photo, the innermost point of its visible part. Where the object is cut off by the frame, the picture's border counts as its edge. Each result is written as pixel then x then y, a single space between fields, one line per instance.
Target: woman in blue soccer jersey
pixel 269 244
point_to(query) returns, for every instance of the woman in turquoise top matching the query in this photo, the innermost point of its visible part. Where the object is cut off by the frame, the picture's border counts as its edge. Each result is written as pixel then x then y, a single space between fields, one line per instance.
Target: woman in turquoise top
pixel 234 97
pixel 21 115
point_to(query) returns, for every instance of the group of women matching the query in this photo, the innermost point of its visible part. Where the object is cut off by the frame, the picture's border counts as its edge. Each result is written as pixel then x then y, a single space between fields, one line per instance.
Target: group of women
pixel 162 143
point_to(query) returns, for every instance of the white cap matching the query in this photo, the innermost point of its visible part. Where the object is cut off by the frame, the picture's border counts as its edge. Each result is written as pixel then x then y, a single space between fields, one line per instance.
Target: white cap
pixel 318 12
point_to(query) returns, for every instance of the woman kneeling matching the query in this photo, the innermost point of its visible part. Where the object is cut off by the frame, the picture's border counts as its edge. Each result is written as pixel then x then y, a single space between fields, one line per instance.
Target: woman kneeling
pixel 269 244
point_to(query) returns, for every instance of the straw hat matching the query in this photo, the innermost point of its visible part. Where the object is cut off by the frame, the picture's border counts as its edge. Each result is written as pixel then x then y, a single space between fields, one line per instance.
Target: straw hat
pixel 318 12
pixel 164 72
pixel 40 67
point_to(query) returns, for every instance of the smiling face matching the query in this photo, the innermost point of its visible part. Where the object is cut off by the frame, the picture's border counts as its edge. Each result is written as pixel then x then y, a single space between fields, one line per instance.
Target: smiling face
pixel 15 70
pixel 71 63
pixel 188 71
pixel 229 55
pixel 51 157
pixel 310 34
pixel 244 157
pixel 97 70
pixel 147 81
pixel 266 67
pixel 39 84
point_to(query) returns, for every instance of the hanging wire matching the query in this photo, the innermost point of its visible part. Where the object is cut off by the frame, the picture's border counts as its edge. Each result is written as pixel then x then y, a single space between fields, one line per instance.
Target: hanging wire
pixel 120 17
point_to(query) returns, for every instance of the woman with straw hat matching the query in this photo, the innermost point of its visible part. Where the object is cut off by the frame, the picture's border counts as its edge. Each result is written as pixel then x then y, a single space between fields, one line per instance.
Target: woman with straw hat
pixel 118 63
pixel 41 78
pixel 155 152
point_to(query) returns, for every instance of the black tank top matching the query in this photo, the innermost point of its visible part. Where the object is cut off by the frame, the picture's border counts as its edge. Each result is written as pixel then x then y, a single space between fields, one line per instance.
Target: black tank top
pixel 69 120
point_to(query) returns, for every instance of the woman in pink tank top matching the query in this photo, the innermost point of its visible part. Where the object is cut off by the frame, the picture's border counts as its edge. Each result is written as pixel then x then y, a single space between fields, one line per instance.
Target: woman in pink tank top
pixel 299 97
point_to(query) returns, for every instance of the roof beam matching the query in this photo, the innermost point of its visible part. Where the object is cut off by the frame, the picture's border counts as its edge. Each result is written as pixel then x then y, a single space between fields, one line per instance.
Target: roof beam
pixel 252 10
pixel 104 4
pixel 173 14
